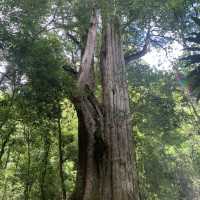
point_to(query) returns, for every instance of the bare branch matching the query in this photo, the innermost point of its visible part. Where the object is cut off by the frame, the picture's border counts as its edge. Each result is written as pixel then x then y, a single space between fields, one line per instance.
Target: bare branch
pixel 164 37
pixel 73 38
pixel 45 28
pixel 72 72
pixel 67 33
pixel 3 76
pixel 141 53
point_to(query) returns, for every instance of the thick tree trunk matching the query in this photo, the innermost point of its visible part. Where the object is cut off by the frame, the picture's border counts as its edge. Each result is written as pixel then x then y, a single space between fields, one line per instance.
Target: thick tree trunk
pixel 106 168
pixel 90 123
pixel 118 167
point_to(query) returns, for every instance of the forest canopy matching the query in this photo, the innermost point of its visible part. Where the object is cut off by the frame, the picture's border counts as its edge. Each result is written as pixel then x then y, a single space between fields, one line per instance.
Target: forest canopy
pixel 84 115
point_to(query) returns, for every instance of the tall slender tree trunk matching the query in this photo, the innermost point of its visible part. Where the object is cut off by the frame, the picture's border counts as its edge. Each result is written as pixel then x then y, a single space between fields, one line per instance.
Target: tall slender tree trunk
pixel 106 153
pixel 44 166
pixel 60 149
pixel 27 188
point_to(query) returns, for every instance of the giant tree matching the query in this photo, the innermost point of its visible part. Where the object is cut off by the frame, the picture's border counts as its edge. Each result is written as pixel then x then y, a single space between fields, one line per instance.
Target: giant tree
pixel 106 154
pixel 107 168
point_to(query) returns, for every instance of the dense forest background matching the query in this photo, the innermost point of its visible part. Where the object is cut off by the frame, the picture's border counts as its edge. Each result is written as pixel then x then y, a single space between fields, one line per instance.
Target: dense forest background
pixel 41 45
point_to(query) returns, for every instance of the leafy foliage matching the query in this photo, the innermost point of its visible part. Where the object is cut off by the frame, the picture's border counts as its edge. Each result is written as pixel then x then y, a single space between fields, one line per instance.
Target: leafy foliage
pixel 162 125
pixel 42 40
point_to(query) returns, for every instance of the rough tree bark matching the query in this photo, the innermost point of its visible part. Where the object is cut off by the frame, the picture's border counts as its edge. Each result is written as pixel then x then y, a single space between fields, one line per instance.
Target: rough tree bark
pixel 119 171
pixel 106 168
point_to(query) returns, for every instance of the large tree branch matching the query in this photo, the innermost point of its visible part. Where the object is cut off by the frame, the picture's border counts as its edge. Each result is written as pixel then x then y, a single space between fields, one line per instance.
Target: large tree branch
pixel 134 56
pixel 74 39
pixel 45 28
pixel 70 71
pixel 68 34
pixel 86 62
